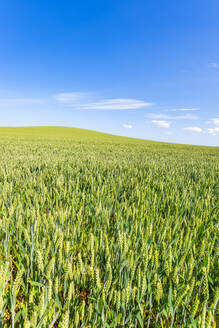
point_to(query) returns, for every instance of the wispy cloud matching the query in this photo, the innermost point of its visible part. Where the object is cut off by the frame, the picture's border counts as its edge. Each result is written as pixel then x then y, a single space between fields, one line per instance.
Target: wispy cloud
pixel 161 123
pixel 167 117
pixel 155 116
pixel 82 100
pixel 213 65
pixel 193 129
pixel 127 126
pixel 21 101
pixel 182 109
pixel 72 97
pixel 116 104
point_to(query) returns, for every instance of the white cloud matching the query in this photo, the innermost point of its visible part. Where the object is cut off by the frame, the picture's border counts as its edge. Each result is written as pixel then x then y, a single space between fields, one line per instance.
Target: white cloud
pixel 83 100
pixel 216 121
pixel 127 126
pixel 193 129
pixel 21 101
pixel 183 109
pixel 179 117
pixel 161 123
pixel 213 131
pixel 213 65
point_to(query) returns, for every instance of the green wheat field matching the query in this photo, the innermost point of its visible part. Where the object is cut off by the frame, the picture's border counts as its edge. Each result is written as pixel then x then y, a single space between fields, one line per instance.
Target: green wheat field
pixel 98 230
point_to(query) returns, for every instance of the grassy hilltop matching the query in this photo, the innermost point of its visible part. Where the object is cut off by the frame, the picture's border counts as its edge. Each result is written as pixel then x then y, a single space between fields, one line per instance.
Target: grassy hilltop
pixel 98 230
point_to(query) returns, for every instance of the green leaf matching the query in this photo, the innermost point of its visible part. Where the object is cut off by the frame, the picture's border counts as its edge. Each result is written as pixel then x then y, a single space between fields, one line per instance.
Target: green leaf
pixel 35 283
pixel 139 317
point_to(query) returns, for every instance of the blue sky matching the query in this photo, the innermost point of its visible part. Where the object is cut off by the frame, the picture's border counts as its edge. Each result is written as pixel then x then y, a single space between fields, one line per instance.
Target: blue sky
pixel 146 69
